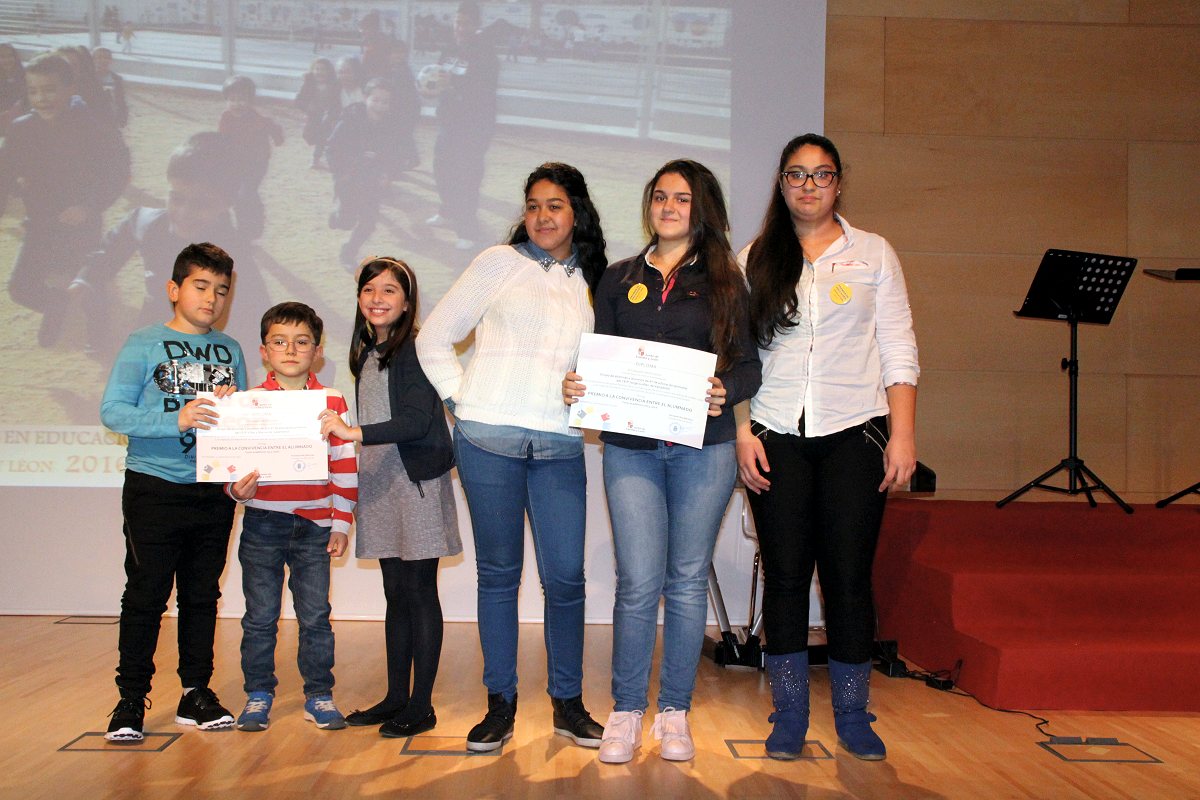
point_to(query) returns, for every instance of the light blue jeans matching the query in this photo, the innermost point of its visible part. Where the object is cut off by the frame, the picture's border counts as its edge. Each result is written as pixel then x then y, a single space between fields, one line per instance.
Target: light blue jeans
pixel 500 491
pixel 666 507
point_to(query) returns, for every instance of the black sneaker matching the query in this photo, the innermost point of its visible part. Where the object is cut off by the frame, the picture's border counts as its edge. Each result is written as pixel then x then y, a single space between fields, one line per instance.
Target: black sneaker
pixel 572 720
pixel 497 726
pixel 200 707
pixel 127 720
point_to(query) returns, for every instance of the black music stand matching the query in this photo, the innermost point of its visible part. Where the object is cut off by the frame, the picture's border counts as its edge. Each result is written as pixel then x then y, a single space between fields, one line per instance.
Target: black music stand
pixel 1188 274
pixel 1076 287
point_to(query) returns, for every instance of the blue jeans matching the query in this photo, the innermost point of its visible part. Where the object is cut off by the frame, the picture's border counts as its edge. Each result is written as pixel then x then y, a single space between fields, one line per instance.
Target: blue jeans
pixel 500 491
pixel 666 507
pixel 271 539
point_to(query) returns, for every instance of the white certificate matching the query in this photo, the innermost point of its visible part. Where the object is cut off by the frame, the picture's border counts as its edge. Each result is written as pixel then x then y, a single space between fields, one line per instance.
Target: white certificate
pixel 643 388
pixel 277 433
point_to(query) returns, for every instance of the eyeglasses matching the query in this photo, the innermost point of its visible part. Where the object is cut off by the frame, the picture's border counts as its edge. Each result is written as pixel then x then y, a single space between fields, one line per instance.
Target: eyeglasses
pixel 280 345
pixel 821 178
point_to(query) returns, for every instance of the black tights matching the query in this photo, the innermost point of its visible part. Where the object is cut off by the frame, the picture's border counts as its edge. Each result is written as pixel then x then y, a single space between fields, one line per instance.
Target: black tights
pixel 413 633
pixel 824 509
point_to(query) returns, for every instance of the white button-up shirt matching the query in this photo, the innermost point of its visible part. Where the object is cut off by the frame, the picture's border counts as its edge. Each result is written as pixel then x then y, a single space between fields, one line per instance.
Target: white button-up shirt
pixel 853 338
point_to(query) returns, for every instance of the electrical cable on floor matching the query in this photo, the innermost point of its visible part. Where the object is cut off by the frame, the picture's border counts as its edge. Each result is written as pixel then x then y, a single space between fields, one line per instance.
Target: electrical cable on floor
pixel 946 680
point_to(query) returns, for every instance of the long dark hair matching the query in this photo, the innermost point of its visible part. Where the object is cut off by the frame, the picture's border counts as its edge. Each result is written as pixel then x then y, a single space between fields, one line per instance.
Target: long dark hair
pixel 708 243
pixel 587 236
pixel 776 257
pixel 405 327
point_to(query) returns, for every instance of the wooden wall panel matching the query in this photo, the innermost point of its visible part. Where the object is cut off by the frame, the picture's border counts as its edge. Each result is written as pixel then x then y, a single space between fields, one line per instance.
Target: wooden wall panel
pixel 1164 197
pixel 1163 322
pixel 1042 80
pixel 854 74
pixel 971 195
pixel 1163 12
pixel 1164 436
pixel 995 431
pixel 1113 11
pixel 999 140
pixel 962 309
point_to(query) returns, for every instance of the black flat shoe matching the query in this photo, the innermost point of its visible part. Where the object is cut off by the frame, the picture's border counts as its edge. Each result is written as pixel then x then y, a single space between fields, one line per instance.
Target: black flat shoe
pixel 396 729
pixel 372 716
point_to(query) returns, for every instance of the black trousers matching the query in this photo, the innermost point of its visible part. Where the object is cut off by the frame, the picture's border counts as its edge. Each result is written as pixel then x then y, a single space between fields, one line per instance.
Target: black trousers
pixel 175 533
pixel 823 509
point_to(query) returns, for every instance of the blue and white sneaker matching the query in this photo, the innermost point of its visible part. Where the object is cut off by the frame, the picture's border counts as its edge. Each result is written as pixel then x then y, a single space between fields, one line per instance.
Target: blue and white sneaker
pixel 320 709
pixel 256 716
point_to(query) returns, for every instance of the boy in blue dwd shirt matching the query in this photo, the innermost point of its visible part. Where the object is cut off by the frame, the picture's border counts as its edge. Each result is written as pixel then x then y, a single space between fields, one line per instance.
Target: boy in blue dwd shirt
pixel 176 530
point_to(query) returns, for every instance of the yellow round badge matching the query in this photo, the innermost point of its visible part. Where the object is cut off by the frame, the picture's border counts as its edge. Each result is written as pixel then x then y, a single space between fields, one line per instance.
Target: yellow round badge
pixel 840 294
pixel 637 293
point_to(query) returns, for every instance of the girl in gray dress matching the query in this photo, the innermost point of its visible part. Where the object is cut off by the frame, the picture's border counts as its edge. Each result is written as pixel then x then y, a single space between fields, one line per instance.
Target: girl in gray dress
pixel 406 514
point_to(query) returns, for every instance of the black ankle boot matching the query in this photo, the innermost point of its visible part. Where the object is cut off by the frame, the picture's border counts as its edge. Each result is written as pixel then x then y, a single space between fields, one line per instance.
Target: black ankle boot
pixel 496 728
pixel 572 720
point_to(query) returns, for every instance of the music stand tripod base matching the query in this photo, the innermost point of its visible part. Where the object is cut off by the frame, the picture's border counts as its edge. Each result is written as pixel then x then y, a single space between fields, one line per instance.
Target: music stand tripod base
pixel 1078 475
pixel 1075 287
pixel 1166 501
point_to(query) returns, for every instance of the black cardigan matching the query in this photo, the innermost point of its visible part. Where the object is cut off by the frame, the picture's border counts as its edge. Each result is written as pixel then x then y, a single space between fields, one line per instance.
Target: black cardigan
pixel 418 421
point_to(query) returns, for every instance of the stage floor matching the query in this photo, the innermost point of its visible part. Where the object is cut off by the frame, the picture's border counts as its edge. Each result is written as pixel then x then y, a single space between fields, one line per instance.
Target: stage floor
pixel 57 680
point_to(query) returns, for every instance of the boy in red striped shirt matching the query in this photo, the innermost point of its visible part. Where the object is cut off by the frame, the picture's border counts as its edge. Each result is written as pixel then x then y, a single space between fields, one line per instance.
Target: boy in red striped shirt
pixel 300 524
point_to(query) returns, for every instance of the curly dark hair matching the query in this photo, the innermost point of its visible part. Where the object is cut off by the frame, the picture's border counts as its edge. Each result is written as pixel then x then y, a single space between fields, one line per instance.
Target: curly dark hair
pixel 709 245
pixel 587 236
pixel 776 257
pixel 406 326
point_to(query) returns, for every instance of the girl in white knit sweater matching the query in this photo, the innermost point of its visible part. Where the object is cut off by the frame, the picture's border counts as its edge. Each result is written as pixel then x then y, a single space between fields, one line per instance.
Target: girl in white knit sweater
pixel 527 302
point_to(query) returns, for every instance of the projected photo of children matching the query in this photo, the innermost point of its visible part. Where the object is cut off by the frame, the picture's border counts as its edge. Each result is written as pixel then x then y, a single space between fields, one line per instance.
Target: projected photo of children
pixel 324 135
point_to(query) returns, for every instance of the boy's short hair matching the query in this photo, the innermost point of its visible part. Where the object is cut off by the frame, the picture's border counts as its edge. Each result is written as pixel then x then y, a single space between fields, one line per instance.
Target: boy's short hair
pixel 204 159
pixel 206 256
pixel 292 313
pixel 239 85
pixel 52 64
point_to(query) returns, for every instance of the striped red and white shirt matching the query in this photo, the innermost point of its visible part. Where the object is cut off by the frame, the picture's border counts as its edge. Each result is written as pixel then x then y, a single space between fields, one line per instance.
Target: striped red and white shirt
pixel 329 503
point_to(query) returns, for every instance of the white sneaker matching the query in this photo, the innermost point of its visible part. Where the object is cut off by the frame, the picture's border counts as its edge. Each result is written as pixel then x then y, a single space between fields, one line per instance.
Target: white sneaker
pixel 436 219
pixel 622 736
pixel 671 728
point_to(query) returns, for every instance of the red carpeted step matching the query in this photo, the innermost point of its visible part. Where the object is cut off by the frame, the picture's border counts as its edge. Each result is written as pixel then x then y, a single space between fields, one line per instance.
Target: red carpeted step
pixel 1123 671
pixel 1070 601
pixel 1054 605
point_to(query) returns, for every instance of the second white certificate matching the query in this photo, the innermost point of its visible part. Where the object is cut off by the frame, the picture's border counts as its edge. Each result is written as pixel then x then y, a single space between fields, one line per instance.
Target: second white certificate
pixel 643 388
pixel 276 433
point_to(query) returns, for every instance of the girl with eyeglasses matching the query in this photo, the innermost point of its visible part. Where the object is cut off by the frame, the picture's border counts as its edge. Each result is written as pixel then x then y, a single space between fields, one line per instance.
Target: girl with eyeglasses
pixel 831 429
pixel 407 516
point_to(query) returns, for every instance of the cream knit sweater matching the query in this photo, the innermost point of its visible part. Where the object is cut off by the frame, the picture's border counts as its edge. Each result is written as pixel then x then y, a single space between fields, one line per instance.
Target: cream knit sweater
pixel 527 325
